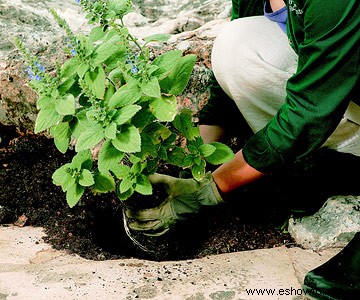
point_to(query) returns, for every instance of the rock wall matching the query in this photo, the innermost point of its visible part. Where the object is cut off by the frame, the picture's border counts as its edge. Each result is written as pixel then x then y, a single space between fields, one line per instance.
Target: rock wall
pixel 192 24
pixel 32 23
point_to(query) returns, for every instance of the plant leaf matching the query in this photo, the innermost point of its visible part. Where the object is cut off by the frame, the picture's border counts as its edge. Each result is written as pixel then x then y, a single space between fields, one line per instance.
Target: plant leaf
pixel 198 171
pixel 110 91
pixel 69 68
pixel 46 118
pixel 128 140
pixel 82 69
pixel 178 78
pixel 103 183
pixel 222 154
pixel 143 185
pixel 60 173
pixel 166 63
pixel 125 113
pixel 158 132
pixel 89 138
pixel 61 130
pixel 157 38
pixel 127 94
pixel 151 88
pixel 136 167
pixel 164 108
pixel 102 52
pixel 110 131
pixel 206 149
pixel 162 153
pixel 189 161
pixel 125 184
pixel 126 195
pixel 82 160
pixel 120 171
pixel 66 85
pixel 176 156
pixel 108 157
pixel 86 178
pixel 143 117
pixel 65 105
pixel 62 144
pixel 96 34
pixel 96 81
pixel 147 147
pixel 73 194
pixel 184 123
pixel 43 102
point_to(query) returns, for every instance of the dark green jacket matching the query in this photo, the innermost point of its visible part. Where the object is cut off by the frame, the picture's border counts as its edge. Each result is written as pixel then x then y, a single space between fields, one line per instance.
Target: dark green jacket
pixel 246 8
pixel 325 34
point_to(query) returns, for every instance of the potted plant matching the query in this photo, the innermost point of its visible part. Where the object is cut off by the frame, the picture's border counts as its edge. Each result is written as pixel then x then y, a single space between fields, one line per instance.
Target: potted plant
pixel 109 95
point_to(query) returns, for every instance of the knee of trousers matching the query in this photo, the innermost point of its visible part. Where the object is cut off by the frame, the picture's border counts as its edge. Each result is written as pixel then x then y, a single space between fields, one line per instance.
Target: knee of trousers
pixel 231 55
pixel 252 60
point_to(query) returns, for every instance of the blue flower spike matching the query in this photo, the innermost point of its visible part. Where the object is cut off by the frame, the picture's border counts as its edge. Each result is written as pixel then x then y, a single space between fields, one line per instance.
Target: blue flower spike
pixel 29 71
pixel 32 75
pixel 134 69
pixel 40 67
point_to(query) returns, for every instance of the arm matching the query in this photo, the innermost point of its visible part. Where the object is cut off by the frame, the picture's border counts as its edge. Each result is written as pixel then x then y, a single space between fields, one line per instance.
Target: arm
pixel 326 40
pixel 313 107
pixel 234 174
pixel 328 48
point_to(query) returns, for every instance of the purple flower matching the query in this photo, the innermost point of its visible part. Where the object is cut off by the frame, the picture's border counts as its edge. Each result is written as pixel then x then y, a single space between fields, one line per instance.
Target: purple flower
pixel 40 67
pixel 77 1
pixel 29 71
pixel 134 69
pixel 73 52
pixel 32 75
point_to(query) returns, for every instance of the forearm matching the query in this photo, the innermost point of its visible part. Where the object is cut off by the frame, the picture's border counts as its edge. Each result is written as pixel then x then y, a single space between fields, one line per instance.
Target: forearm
pixel 235 174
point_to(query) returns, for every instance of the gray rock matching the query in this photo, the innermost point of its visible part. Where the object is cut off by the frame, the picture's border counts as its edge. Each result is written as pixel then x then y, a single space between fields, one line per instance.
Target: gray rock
pixel 171 9
pixel 332 226
pixel 32 23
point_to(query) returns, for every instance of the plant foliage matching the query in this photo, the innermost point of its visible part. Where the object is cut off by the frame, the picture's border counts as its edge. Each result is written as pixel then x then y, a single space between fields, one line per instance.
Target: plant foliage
pixel 109 94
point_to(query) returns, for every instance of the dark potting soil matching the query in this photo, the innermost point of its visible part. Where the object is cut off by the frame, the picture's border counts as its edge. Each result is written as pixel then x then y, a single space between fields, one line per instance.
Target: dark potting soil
pixel 253 218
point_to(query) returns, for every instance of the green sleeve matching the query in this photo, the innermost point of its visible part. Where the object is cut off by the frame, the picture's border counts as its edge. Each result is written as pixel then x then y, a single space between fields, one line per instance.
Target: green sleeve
pixel 325 34
pixel 246 8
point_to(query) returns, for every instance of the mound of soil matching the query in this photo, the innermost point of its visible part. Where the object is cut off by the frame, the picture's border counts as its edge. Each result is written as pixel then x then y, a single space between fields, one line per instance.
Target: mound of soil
pixel 252 218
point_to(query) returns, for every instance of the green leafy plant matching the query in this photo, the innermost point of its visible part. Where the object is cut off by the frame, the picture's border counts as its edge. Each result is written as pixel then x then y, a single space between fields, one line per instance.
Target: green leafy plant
pixel 110 95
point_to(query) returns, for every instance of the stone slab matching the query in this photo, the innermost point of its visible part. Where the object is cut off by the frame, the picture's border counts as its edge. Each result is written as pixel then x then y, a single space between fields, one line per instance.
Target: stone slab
pixel 30 269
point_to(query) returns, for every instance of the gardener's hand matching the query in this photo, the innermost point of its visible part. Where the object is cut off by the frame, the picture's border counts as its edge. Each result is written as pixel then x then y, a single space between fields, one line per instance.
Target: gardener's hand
pixel 184 198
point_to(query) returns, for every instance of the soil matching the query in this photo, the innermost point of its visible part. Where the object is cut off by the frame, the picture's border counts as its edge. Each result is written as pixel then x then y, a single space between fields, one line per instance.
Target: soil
pixel 252 218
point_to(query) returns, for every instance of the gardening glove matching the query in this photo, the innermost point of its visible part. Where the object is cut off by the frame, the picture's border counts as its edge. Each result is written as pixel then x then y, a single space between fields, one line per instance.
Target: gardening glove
pixel 184 198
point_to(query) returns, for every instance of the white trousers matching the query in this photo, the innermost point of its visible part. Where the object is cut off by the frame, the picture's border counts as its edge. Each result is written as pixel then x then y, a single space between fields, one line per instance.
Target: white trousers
pixel 252 61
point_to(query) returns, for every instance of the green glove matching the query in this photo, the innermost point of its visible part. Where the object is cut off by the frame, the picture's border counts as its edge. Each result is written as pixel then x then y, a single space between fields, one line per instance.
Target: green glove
pixel 184 199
